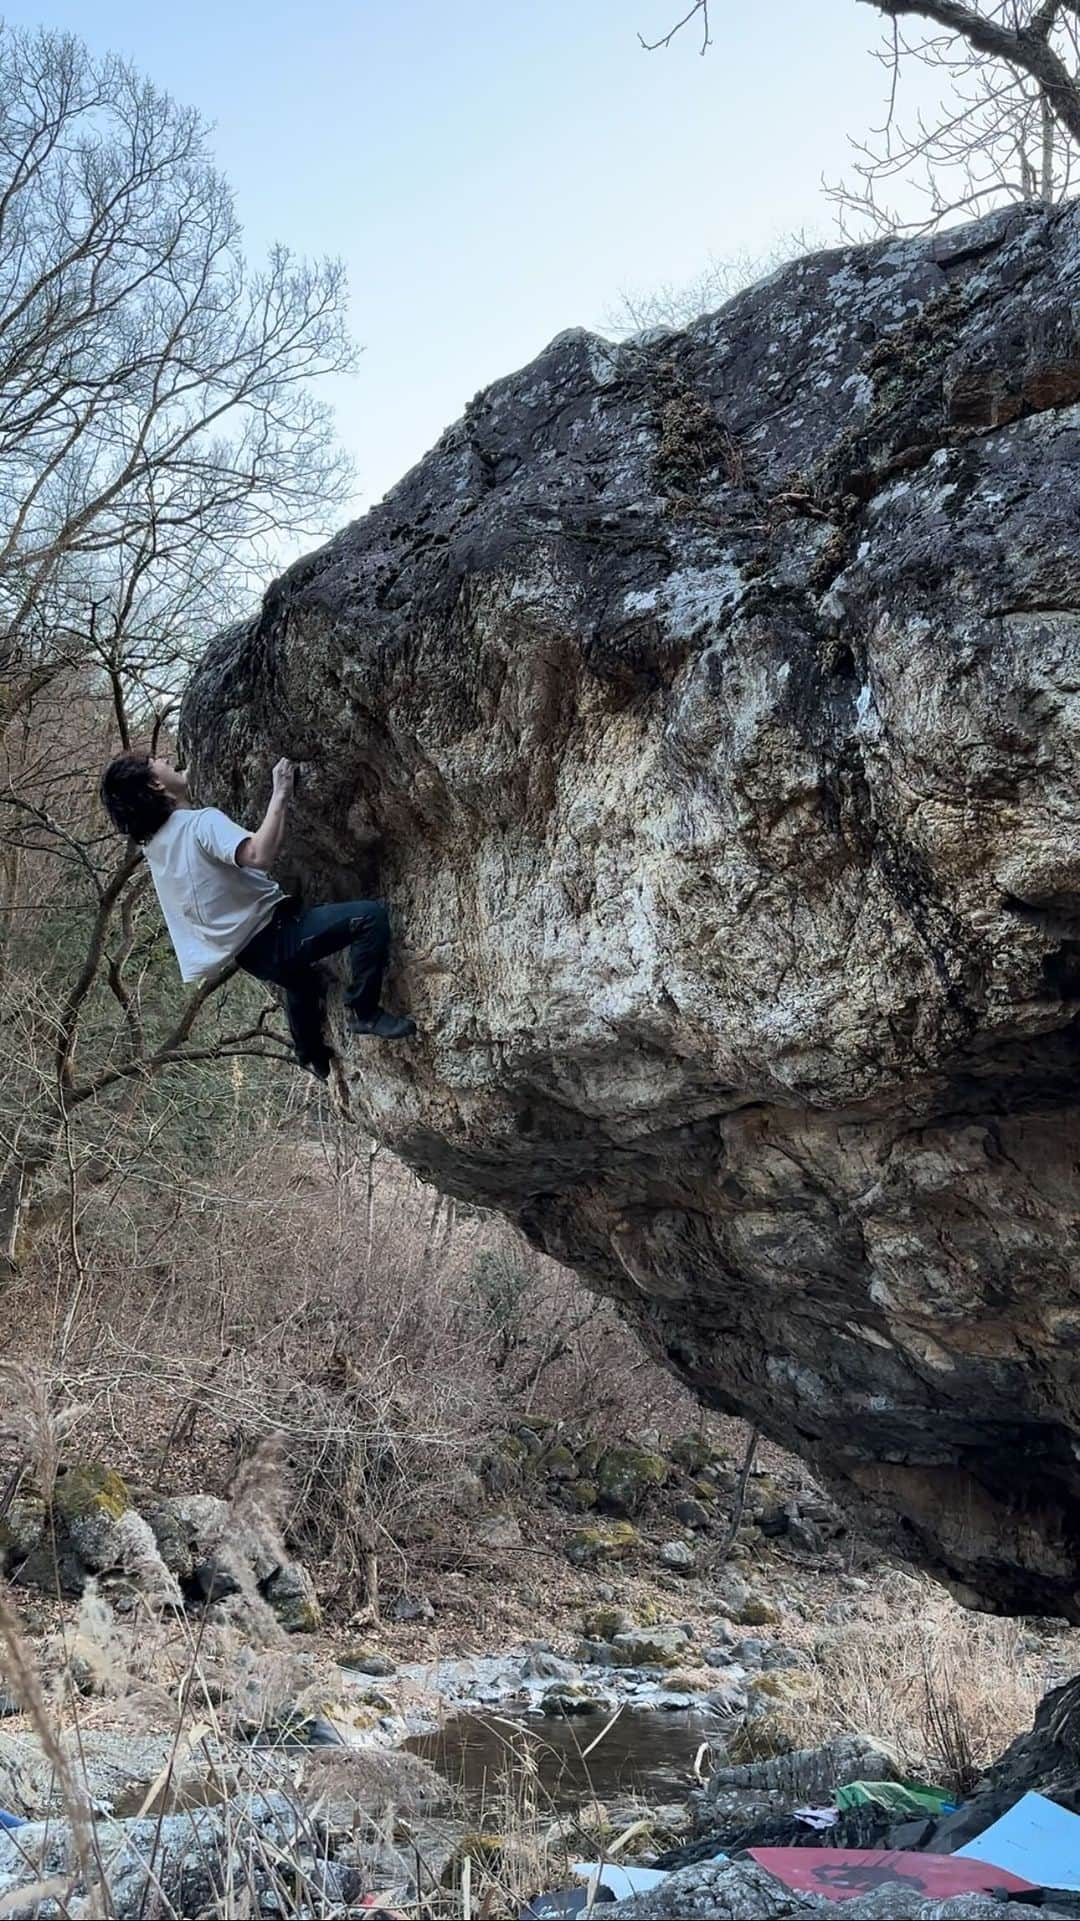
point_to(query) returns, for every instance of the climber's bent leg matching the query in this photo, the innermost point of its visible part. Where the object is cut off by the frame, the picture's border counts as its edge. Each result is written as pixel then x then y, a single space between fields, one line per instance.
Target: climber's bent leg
pixel 299 938
pixel 363 926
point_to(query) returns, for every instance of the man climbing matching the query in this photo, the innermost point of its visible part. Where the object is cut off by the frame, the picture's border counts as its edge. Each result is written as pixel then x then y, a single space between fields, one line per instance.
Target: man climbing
pixel 220 904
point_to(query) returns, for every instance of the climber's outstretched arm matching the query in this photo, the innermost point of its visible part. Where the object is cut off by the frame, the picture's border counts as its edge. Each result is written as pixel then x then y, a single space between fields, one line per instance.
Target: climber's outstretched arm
pixel 262 848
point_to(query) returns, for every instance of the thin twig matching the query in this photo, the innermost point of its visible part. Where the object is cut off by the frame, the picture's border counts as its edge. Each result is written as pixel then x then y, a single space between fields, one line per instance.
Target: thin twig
pixel 735 1522
pixel 700 7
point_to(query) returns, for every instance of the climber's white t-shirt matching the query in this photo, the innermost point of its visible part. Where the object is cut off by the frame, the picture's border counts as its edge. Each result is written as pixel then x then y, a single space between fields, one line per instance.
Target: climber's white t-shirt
pixel 212 907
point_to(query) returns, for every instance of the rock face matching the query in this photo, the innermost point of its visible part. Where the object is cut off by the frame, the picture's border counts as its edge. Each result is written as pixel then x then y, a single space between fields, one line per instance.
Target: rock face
pixel 708 707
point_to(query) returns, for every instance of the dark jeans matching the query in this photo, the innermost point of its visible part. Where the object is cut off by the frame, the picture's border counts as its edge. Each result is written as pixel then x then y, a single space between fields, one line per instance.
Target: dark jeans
pixel 287 950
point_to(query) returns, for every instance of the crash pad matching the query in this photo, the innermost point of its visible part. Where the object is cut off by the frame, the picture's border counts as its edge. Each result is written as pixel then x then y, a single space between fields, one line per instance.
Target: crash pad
pixel 842 1873
pixel 1034 1837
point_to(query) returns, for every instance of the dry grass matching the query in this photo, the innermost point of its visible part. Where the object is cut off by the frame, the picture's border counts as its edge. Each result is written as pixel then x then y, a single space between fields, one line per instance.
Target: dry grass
pixel 944 1689
pixel 325 1296
pixel 341 1811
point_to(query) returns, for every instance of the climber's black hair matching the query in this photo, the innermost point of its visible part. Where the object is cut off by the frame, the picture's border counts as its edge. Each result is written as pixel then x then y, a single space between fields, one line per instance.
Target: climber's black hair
pixel 136 806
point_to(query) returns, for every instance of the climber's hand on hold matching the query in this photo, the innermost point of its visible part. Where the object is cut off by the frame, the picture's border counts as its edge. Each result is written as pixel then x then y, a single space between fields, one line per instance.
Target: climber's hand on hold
pixel 262 848
pixel 283 779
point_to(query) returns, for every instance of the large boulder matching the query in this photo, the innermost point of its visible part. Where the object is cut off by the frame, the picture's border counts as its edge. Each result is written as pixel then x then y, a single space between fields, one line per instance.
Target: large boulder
pixel 708 707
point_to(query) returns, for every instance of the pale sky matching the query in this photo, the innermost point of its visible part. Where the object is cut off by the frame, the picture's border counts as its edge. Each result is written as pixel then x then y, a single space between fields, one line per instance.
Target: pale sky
pixel 493 171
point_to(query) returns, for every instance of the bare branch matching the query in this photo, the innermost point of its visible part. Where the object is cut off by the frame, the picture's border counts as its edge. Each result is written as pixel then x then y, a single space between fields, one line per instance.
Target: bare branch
pixel 88 972
pixel 1045 19
pixel 231 1047
pixel 699 10
pixel 128 1003
pixel 1026 49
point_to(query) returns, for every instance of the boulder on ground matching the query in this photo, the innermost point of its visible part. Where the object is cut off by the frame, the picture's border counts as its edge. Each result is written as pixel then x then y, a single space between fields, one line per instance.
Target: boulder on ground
pixel 411 1607
pixel 290 1592
pixel 499 1531
pixel 756 1612
pixel 21 1530
pixel 612 1542
pixel 802 1776
pixel 732 673
pixel 256 1847
pixel 367 1660
pixel 692 1513
pixel 604 1623
pixel 696 1453
pixel 571 1697
pixel 559 1463
pixel 659 1647
pixel 627 1476
pixel 80 1534
pixel 541 1664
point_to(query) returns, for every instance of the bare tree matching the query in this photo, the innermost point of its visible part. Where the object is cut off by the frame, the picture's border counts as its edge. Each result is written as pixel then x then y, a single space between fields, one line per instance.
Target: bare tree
pixel 159 437
pixel 677 305
pixel 1008 128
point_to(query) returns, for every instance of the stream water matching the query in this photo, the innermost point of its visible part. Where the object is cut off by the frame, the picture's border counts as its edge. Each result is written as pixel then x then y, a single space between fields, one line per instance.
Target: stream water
pixel 646 1753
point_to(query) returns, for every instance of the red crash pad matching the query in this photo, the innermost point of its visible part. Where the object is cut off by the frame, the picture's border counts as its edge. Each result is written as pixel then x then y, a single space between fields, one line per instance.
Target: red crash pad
pixel 842 1873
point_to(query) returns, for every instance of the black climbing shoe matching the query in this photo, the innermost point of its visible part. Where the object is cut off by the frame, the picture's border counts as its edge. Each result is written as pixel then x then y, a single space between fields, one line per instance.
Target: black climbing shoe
pixel 385 1027
pixel 320 1069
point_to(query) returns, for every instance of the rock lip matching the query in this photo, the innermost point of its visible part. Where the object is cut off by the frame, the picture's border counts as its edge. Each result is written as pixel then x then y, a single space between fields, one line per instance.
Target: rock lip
pixel 708 707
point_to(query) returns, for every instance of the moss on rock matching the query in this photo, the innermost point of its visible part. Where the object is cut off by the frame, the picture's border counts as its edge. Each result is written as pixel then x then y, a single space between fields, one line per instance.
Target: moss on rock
pixel 559 1463
pixel 690 1680
pixel 291 1594
pixel 570 1697
pixel 603 1543
pixel 694 1453
pixel 484 1851
pixel 756 1612
pixel 782 1685
pixel 80 1534
pixel 90 1488
pixel 604 1623
pixel 367 1660
pixel 626 1476
pixel 21 1527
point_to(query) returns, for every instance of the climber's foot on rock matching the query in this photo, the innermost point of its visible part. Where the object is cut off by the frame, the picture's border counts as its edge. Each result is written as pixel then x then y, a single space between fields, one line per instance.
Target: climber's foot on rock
pixel 385 1027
